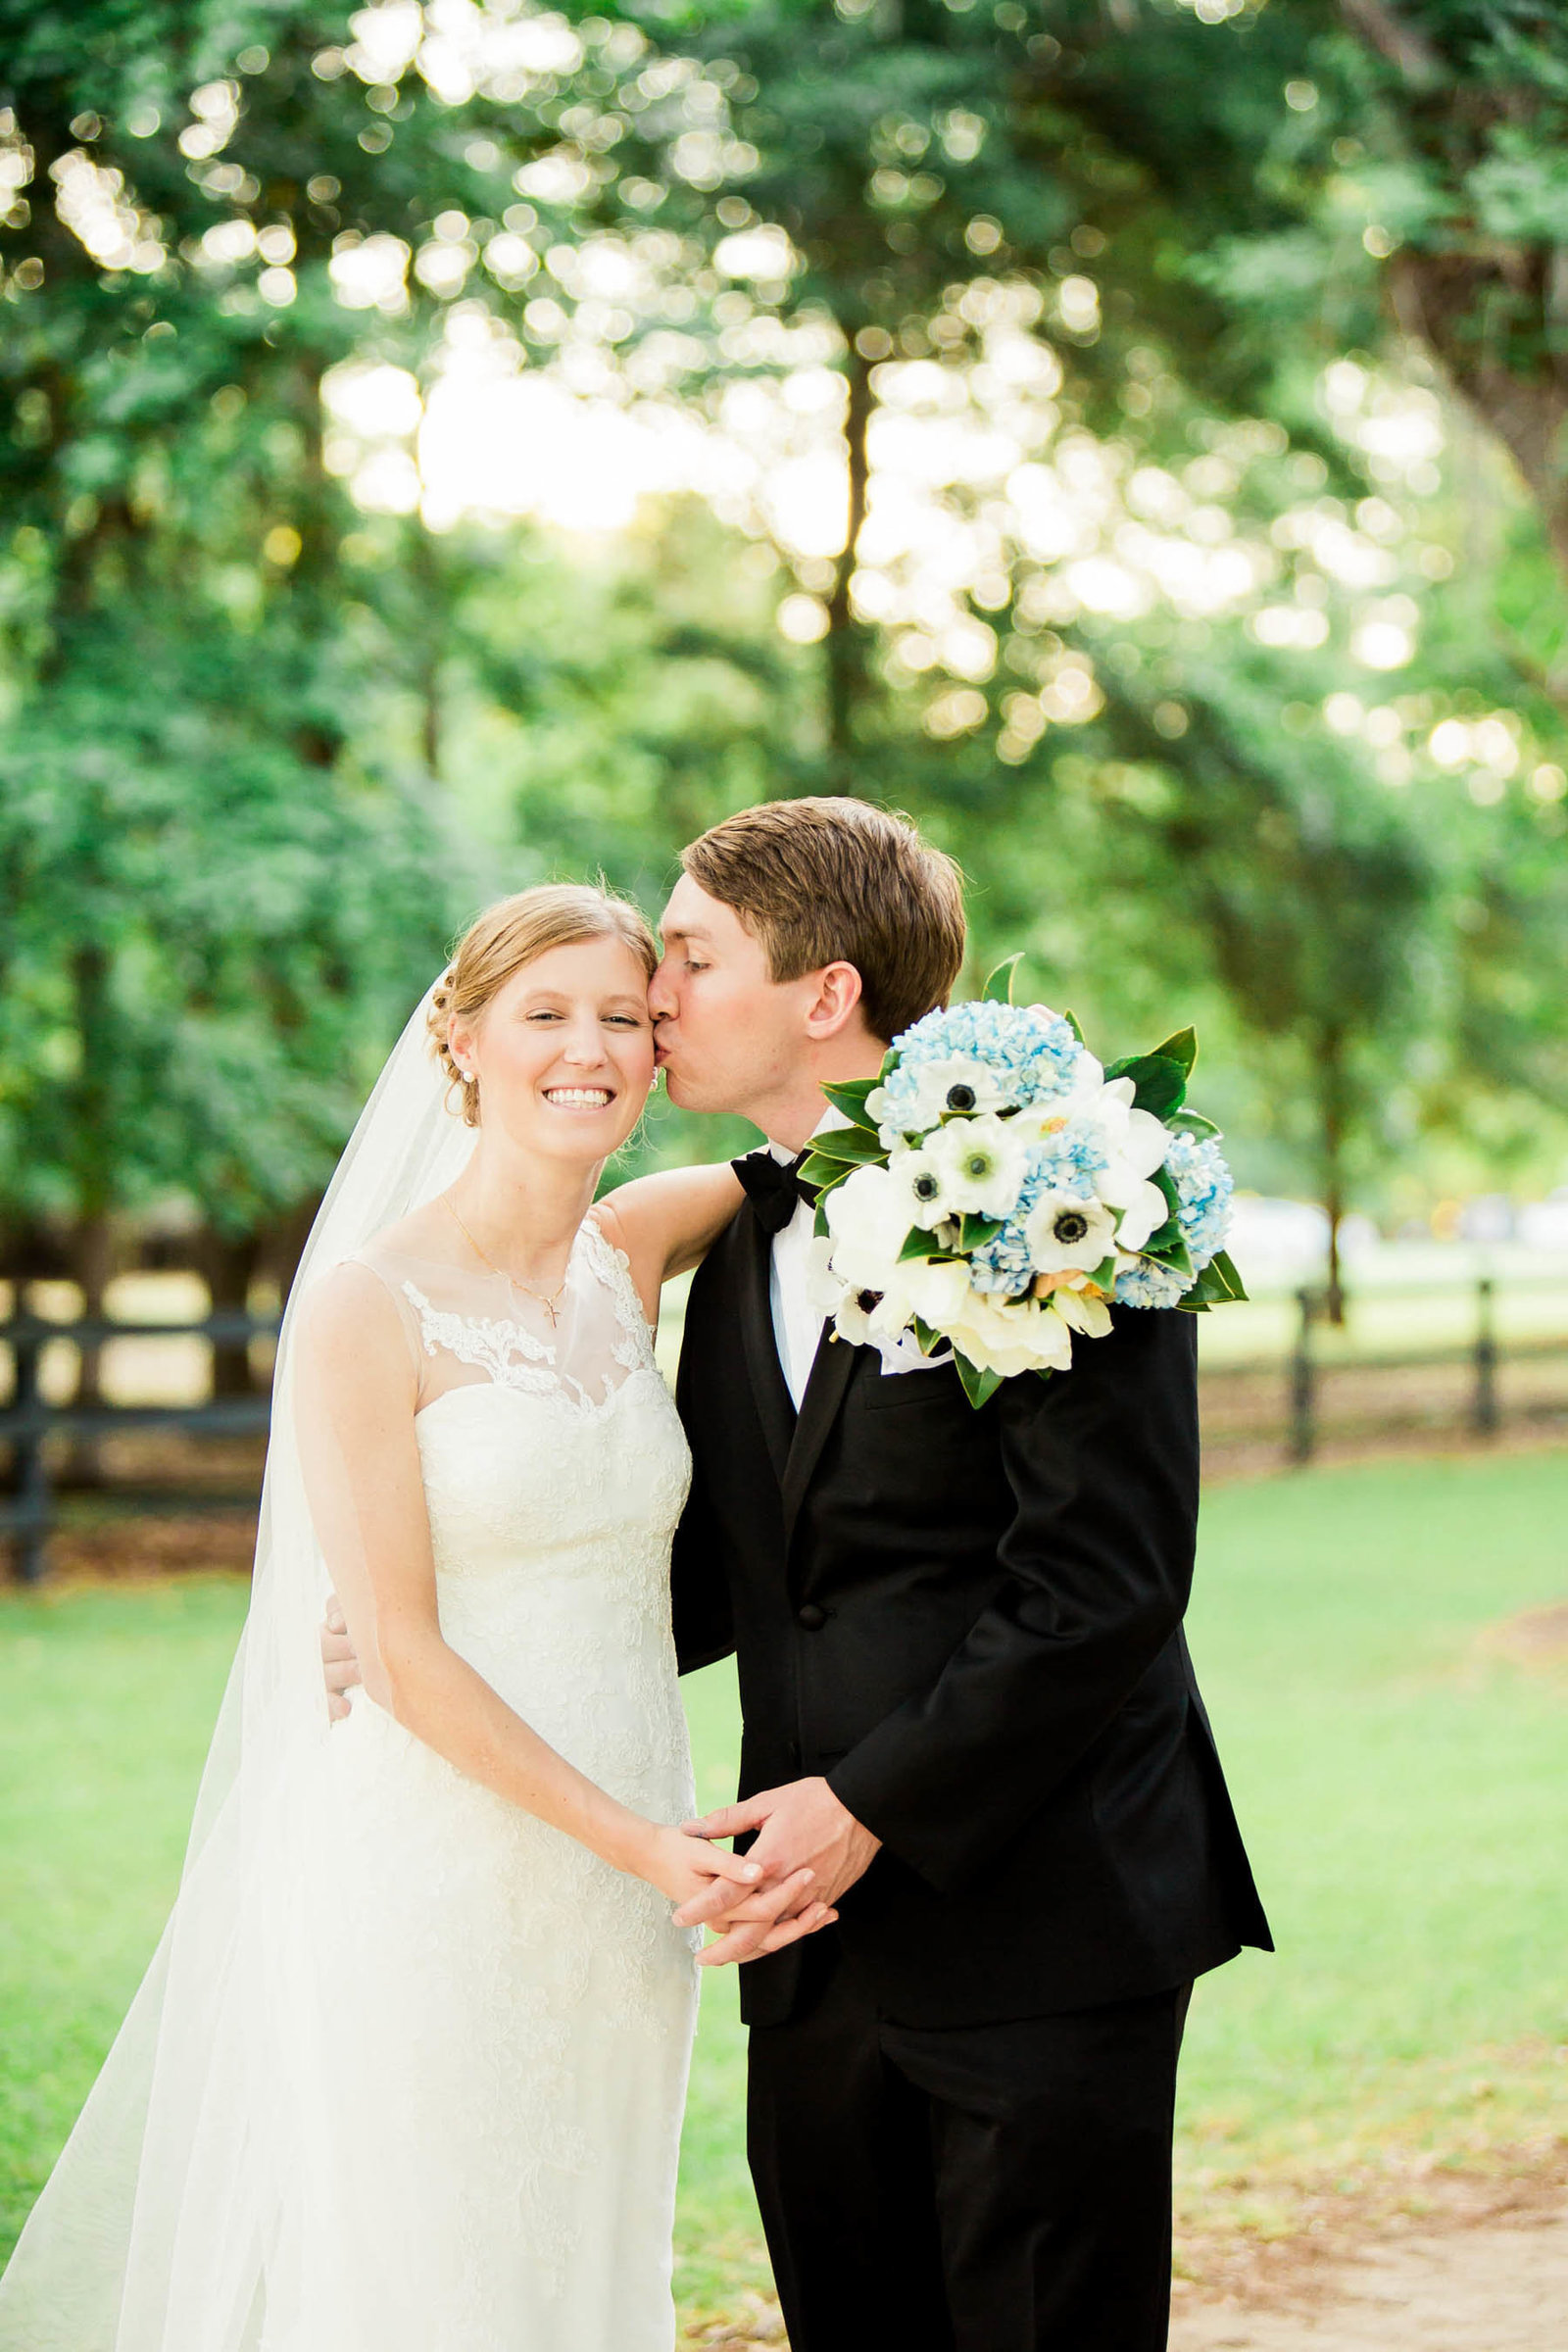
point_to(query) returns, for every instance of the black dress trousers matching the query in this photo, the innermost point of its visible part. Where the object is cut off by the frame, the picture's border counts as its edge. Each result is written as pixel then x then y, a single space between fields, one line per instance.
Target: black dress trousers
pixel 967 2189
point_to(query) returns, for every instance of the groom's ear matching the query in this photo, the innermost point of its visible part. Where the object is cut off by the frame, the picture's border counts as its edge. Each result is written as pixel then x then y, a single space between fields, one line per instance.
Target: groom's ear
pixel 835 1005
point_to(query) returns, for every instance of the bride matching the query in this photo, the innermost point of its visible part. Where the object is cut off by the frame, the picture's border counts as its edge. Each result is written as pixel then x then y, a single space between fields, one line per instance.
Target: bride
pixel 406 2071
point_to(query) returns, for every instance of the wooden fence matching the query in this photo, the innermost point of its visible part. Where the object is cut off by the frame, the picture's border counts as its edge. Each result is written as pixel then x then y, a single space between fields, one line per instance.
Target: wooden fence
pixel 1289 1402
pixel 1323 1392
pixel 29 1422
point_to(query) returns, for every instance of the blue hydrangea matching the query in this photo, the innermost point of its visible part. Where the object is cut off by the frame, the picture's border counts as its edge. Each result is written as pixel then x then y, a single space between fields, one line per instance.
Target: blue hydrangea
pixel 1072 1161
pixel 1003 1265
pixel 1148 1284
pixel 1203 1188
pixel 1032 1052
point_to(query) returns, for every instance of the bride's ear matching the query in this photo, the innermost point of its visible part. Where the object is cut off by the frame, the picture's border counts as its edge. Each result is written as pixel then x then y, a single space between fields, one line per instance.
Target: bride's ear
pixel 461 1047
pixel 833 1008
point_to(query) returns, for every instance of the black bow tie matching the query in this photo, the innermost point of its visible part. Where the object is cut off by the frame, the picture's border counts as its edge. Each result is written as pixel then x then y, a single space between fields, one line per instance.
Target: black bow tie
pixel 774 1187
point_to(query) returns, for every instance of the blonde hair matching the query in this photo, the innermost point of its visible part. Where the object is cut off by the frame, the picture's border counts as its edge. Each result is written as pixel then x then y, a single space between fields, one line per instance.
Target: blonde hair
pixel 510 934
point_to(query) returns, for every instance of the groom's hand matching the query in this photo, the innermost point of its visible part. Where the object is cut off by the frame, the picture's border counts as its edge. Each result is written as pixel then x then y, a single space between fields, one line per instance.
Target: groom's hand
pixel 800 1827
pixel 340 1666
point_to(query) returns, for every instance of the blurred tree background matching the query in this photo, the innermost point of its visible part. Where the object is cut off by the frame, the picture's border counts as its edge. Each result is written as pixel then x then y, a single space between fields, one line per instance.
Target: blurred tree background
pixel 446 446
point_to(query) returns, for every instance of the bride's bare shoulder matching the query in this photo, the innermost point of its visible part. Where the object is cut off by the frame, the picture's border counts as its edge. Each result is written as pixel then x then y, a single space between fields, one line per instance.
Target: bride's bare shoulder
pixel 426 1236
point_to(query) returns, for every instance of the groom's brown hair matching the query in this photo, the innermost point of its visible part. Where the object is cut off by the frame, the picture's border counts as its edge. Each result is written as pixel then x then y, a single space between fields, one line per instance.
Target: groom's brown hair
pixel 839 881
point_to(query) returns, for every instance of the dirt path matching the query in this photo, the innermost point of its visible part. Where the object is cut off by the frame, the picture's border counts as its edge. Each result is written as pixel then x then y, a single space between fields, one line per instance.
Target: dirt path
pixel 1484 2269
pixel 1496 2288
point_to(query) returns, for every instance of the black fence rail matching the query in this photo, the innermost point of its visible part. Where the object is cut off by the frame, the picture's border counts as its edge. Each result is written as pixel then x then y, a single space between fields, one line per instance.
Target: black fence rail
pixel 29 1422
pixel 1316 1390
pixel 1455 1384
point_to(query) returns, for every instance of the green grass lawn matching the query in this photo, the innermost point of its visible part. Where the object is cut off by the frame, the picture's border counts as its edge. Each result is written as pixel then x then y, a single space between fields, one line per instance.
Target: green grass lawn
pixel 1401 1791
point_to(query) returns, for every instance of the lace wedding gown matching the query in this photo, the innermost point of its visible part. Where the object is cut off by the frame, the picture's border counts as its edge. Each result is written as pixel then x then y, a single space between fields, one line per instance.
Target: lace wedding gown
pixel 507 2019
pixel 406 2069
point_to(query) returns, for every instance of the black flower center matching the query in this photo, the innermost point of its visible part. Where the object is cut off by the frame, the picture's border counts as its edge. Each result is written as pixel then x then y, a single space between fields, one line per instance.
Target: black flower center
pixel 926 1188
pixel 1070 1226
pixel 960 1098
pixel 866 1300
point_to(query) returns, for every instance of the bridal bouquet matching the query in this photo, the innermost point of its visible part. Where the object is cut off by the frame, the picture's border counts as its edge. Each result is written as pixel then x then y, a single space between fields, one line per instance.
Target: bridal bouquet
pixel 996 1190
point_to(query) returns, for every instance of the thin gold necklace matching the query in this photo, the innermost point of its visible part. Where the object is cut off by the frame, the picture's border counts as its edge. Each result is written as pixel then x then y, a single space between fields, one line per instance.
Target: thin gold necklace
pixel 551 1304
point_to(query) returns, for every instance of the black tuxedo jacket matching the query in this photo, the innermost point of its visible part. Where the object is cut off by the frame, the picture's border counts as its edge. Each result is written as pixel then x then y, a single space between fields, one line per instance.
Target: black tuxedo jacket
pixel 971 1623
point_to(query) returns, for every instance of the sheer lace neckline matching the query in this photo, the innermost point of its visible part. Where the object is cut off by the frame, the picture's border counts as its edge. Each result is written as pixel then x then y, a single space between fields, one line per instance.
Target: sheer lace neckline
pixel 468 1328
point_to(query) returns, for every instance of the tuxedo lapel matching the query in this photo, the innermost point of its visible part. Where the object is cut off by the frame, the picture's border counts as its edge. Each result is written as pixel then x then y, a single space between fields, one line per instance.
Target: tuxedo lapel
pixel 831 1368
pixel 769 1388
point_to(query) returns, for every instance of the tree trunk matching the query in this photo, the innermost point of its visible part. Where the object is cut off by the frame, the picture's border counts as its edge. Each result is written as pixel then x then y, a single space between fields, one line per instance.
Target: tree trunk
pixel 845 640
pixel 90 1246
pixel 1439 300
pixel 1333 1118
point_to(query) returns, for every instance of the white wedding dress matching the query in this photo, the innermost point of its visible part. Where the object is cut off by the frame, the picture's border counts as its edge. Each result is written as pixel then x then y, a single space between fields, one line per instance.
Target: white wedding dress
pixel 509 2018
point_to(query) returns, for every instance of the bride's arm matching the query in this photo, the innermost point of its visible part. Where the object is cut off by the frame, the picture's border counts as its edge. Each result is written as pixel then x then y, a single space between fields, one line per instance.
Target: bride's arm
pixel 666 1223
pixel 356 1405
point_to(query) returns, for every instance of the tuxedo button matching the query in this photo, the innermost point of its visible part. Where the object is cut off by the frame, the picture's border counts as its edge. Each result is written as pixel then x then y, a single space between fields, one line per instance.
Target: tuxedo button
pixel 811 1617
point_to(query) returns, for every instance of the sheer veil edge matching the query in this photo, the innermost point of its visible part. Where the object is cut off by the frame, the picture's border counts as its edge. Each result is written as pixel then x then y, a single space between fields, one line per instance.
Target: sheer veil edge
pixel 156 2231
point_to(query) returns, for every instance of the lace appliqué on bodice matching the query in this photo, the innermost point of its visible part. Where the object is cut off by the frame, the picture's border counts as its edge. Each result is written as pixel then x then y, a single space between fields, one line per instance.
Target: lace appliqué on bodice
pixel 511 1355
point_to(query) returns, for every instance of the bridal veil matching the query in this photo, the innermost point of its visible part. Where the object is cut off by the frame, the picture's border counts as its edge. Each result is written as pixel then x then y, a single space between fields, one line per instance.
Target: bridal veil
pixel 152 2234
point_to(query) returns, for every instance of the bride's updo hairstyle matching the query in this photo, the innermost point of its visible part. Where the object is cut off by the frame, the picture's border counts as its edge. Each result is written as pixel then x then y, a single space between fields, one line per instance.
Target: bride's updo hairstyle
pixel 509 935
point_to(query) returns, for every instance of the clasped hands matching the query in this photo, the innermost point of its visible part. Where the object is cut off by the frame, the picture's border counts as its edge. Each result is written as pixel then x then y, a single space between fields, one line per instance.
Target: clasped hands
pixel 810 1849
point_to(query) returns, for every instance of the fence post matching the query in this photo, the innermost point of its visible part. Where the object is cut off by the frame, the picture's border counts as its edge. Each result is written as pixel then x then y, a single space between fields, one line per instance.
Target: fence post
pixel 32 1505
pixel 1484 1403
pixel 1304 1385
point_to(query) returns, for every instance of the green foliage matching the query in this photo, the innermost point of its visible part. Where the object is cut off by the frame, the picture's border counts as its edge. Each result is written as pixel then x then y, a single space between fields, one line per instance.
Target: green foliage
pixel 979 1387
pixel 1158 1081
pixel 1367 958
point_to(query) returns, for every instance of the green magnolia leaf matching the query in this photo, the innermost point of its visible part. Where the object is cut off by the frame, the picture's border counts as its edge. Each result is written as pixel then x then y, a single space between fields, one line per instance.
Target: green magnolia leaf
pixel 1071 1019
pixel 919 1244
pixel 854 1147
pixel 1181 1048
pixel 1167 1249
pixel 1223 1265
pixel 977 1384
pixel 825 1174
pixel 1186 1304
pixel 849 1095
pixel 1207 1291
pixel 1104 1274
pixel 1159 1082
pixel 1191 1122
pixel 998 989
pixel 930 1341
pixel 975 1232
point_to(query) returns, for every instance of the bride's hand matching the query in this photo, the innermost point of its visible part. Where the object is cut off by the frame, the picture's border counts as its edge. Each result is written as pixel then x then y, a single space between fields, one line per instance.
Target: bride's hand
pixel 683 1867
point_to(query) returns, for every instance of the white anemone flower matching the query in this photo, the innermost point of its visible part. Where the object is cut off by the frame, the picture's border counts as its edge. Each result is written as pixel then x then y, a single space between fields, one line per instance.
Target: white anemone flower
pixel 954 1087
pixel 872 1303
pixel 1022 1336
pixel 924 1186
pixel 982 1164
pixel 1066 1234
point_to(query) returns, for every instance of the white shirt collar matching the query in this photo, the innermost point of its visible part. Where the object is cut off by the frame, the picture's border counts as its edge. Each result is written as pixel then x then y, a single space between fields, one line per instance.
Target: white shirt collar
pixel 831 1117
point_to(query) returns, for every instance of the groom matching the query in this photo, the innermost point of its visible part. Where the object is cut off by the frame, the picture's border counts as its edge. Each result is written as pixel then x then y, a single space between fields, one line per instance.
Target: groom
pixel 968 1702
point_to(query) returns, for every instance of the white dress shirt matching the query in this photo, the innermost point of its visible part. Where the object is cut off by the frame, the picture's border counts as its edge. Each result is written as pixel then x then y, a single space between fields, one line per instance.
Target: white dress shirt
pixel 794 1296
pixel 797 1322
